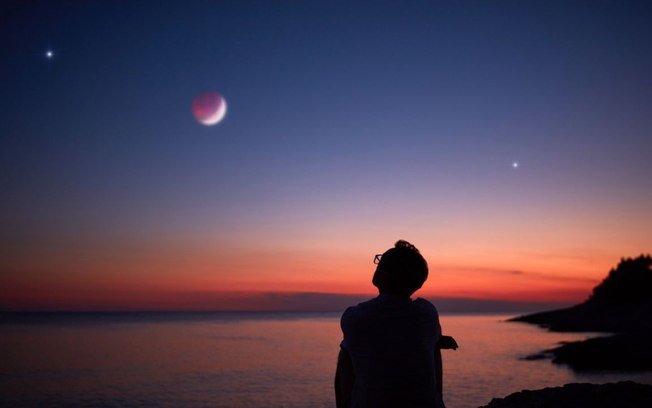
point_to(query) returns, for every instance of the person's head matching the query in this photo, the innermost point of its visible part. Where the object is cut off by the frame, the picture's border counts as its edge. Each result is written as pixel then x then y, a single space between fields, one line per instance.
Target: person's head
pixel 401 270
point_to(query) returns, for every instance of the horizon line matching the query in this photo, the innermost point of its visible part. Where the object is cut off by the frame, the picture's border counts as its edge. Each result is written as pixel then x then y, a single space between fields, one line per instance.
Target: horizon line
pixel 280 302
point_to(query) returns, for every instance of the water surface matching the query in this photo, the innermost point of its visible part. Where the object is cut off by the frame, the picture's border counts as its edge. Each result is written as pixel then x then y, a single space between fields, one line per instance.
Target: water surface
pixel 245 360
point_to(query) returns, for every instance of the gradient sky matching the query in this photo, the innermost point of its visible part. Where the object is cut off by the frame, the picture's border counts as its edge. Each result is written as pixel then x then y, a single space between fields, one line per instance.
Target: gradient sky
pixel 350 125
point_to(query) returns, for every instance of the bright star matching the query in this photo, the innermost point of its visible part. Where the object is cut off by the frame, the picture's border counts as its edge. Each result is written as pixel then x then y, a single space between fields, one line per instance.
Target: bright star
pixel 515 165
pixel 49 54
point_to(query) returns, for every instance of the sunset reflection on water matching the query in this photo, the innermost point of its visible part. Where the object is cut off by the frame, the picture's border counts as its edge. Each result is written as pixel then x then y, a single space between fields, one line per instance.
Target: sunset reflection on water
pixel 249 360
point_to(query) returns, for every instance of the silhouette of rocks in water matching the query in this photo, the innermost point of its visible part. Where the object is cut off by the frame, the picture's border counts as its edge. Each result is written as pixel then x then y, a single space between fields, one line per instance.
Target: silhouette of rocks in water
pixel 625 394
pixel 626 352
pixel 622 304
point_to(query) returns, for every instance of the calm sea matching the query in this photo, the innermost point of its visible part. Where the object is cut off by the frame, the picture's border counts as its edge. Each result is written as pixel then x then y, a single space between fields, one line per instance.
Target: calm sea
pixel 244 360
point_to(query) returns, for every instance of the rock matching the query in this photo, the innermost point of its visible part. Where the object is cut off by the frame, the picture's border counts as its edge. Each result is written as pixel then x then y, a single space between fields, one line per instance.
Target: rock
pixel 625 394
pixel 620 352
pixel 621 305
pixel 622 302
pixel 592 316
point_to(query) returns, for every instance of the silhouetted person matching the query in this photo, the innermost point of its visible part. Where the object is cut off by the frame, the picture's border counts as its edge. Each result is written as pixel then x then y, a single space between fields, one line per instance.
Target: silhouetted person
pixel 390 355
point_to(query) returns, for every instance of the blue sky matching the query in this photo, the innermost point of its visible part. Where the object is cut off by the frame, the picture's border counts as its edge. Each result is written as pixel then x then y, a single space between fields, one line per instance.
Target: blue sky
pixel 350 125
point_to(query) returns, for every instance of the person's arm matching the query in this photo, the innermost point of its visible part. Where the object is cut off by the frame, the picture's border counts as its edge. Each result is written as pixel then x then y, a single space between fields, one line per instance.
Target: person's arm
pixel 344 378
pixel 439 371
pixel 445 342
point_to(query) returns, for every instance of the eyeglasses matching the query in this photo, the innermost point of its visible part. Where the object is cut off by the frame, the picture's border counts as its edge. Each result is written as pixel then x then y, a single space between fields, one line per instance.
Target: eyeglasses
pixel 377 258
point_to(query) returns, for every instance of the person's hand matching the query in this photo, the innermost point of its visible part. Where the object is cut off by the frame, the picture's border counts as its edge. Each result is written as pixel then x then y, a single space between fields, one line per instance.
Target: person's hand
pixel 447 342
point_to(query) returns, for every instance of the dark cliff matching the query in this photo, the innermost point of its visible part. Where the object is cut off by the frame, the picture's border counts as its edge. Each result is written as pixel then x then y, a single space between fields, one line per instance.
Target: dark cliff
pixel 621 305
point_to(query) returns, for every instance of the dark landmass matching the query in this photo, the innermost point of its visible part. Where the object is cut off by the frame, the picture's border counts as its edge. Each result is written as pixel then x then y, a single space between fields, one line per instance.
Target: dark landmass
pixel 621 305
pixel 592 316
pixel 625 394
pixel 625 352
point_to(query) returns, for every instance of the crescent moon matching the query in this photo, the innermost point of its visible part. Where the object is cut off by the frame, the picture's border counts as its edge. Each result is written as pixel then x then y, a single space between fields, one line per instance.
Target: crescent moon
pixel 209 108
pixel 217 116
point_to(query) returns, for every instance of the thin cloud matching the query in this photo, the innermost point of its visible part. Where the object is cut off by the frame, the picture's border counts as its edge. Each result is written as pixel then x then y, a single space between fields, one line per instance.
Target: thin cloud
pixel 513 272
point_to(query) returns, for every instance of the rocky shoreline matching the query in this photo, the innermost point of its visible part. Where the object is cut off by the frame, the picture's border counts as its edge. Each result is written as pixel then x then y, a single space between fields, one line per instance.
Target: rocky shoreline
pixel 626 394
pixel 626 347
pixel 620 306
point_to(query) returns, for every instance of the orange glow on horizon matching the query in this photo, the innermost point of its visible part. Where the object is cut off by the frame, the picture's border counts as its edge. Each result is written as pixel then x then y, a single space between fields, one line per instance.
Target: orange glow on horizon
pixel 204 274
pixel 231 281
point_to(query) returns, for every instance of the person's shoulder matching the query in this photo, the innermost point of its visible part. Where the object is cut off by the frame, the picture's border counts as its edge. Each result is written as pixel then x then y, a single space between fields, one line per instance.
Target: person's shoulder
pixel 425 306
pixel 359 310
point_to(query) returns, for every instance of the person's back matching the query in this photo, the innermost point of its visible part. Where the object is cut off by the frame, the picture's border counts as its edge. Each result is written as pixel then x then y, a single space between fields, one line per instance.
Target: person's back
pixel 391 343
pixel 388 356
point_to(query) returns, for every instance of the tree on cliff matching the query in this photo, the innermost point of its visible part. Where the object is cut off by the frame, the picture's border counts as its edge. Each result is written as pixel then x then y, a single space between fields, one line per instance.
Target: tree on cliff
pixel 629 282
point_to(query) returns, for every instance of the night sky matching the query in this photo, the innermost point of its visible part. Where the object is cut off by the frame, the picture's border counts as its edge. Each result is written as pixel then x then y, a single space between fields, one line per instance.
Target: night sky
pixel 511 141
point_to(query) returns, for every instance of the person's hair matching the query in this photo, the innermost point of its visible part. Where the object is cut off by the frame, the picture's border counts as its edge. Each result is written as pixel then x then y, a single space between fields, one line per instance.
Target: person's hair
pixel 402 270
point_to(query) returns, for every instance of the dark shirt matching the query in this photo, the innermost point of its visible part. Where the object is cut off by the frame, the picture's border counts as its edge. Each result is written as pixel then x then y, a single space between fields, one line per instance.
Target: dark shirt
pixel 391 342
